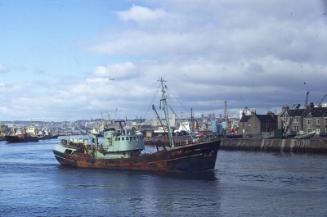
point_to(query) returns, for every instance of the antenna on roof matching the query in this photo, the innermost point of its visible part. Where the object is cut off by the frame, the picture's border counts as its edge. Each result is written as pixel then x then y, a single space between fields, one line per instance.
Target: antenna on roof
pixel 306 95
pixel 225 110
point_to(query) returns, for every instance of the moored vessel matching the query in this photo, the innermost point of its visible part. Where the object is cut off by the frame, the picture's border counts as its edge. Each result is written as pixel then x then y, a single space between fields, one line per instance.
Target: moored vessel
pixel 122 148
pixel 21 135
pixel 21 138
pixel 45 135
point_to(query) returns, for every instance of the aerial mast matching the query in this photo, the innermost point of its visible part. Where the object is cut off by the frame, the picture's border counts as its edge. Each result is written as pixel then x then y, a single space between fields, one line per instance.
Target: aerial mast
pixel 306 99
pixel 165 108
pixel 306 95
pixel 225 110
pixel 192 120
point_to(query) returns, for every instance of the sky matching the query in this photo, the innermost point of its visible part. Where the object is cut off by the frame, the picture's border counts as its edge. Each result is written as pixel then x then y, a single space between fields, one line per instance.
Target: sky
pixel 78 59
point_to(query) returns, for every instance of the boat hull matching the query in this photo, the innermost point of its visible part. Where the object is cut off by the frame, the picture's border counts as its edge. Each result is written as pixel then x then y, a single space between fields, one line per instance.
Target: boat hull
pixel 17 139
pixel 48 137
pixel 188 158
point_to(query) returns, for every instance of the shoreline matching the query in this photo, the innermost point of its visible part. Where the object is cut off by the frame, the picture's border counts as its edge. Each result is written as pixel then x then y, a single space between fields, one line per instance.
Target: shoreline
pixel 312 145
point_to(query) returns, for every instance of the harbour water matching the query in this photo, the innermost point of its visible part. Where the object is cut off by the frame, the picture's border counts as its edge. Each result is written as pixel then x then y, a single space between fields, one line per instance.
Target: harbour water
pixel 244 184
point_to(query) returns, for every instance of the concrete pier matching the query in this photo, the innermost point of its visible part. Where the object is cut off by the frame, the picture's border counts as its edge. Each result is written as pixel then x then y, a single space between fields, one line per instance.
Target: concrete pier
pixel 313 145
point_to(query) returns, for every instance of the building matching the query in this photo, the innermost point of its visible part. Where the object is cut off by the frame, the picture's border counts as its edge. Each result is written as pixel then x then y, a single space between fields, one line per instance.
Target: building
pixel 315 120
pixel 147 130
pixel 303 121
pixel 256 125
pixel 290 121
pixel 172 121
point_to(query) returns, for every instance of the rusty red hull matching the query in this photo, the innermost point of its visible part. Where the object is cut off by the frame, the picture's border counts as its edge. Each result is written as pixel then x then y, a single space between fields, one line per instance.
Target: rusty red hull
pixel 192 158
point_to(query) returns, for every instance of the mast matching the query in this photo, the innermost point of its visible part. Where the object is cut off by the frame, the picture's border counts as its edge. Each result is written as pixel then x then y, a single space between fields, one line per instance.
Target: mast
pixel 192 120
pixel 165 108
pixel 155 110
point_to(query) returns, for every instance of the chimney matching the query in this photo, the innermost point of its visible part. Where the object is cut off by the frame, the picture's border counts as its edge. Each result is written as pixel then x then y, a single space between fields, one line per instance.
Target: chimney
pixel 285 108
pixel 253 112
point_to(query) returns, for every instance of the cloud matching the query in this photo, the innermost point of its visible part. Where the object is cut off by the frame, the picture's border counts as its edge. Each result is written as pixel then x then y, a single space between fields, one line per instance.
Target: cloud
pixel 257 53
pixel 292 42
pixel 100 87
pixel 39 71
pixel 254 53
pixel 3 68
pixel 119 71
pixel 141 14
pixel 155 43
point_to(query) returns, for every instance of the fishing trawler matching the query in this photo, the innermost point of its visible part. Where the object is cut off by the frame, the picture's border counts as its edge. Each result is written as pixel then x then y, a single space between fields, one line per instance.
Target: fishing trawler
pixel 123 148
pixel 46 134
pixel 22 135
pixel 20 138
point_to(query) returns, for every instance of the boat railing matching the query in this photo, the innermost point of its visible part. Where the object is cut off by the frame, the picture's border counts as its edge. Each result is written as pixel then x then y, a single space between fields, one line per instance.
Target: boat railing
pixel 71 143
pixel 208 138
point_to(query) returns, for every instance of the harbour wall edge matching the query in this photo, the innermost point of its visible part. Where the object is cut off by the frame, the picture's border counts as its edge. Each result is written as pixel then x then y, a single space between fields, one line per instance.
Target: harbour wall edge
pixel 313 145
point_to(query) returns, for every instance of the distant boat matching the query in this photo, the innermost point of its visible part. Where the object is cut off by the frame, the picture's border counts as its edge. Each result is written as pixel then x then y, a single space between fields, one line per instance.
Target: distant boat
pixel 46 134
pixel 45 137
pixel 19 138
pixel 306 136
pixel 122 149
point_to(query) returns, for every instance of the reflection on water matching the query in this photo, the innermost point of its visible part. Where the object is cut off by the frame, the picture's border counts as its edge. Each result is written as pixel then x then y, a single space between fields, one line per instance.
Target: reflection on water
pixel 243 184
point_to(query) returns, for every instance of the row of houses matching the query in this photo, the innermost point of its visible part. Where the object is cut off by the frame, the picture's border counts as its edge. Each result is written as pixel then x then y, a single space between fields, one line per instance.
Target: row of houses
pixel 305 120
pixel 290 121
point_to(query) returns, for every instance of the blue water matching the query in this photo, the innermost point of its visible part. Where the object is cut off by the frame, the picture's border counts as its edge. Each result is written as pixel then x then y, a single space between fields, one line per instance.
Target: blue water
pixel 243 184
